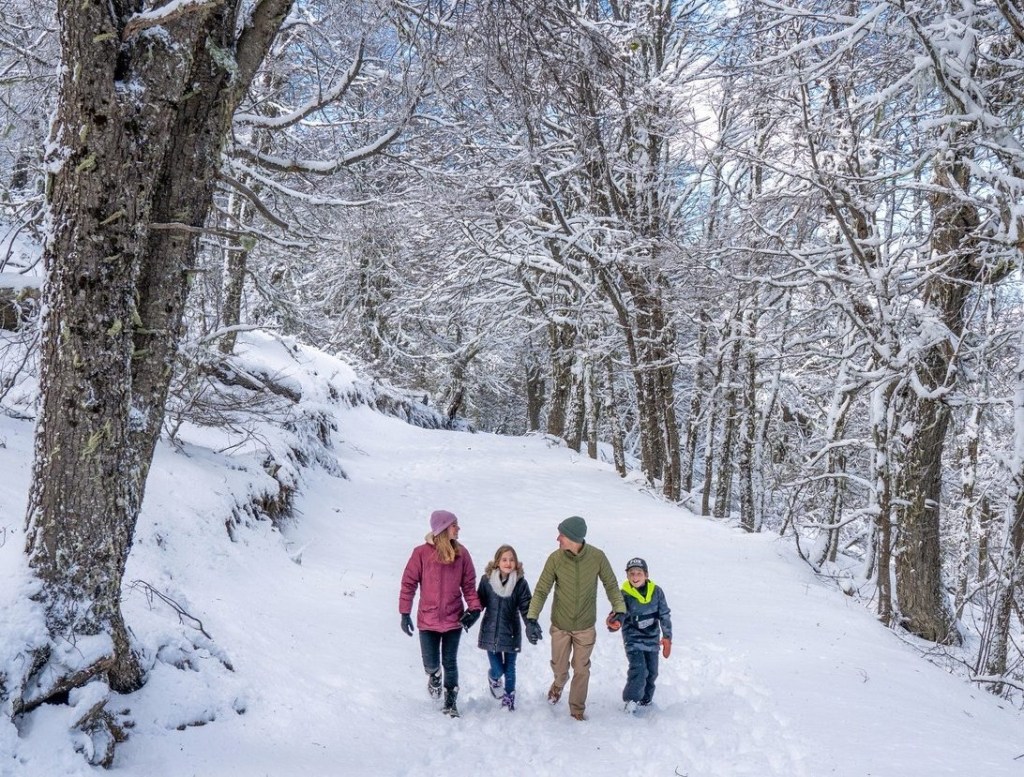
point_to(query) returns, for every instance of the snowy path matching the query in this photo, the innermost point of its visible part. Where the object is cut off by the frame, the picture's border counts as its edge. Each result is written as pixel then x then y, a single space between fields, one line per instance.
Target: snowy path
pixel 773 674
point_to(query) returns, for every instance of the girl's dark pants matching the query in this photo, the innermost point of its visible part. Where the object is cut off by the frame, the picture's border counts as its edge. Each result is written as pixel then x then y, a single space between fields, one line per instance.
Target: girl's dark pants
pixel 440 650
pixel 503 664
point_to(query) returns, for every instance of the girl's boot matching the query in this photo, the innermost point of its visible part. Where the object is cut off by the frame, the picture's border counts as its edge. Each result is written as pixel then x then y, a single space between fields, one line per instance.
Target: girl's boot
pixel 451 695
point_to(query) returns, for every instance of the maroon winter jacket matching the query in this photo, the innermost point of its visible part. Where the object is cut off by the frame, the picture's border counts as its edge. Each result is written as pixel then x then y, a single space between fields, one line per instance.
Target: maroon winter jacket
pixel 442 588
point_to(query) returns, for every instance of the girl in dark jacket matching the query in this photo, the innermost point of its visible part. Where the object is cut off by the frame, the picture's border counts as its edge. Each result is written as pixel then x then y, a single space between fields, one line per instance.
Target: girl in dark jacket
pixel 505 596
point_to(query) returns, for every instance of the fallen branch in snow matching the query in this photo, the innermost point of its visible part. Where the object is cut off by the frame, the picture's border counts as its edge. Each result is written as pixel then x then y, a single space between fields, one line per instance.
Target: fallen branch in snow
pixel 1000 680
pixel 183 614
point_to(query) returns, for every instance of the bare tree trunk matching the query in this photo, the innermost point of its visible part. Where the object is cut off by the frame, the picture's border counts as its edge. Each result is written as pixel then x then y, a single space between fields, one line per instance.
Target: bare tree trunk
pixel 664 358
pixel 128 199
pixel 723 491
pixel 577 414
pixel 592 408
pixel 745 465
pixel 236 260
pixel 611 404
pixel 966 534
pixel 919 589
pixel 984 531
pixel 563 339
pixel 534 395
pixel 881 498
pixel 994 650
pixel 697 404
pixel 709 434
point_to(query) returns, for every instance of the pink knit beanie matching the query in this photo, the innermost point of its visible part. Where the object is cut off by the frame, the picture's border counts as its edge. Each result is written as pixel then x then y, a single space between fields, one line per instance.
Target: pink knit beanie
pixel 441 520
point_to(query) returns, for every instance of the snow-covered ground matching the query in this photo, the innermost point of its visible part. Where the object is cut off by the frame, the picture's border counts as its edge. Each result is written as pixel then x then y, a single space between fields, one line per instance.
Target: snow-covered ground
pixel 773 672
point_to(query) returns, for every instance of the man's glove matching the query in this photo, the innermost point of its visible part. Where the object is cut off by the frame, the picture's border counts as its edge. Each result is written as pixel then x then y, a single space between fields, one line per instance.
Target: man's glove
pixel 469 617
pixel 534 633
pixel 615 620
pixel 666 647
pixel 406 623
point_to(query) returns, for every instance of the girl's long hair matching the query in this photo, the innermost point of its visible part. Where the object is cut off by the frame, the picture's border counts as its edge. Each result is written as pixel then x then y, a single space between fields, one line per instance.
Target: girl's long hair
pixel 501 551
pixel 446 548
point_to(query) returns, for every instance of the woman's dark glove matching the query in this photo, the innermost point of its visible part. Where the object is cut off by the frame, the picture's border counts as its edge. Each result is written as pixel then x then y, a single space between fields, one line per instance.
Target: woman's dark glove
pixel 407 623
pixel 534 633
pixel 469 617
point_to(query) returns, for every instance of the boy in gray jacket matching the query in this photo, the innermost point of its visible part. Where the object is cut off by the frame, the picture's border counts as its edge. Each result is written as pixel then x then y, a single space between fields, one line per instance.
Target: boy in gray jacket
pixel 646 631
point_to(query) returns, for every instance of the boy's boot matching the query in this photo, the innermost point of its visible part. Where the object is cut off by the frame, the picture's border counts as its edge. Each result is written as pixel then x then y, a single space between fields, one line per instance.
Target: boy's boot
pixel 451 695
pixel 434 684
pixel 509 701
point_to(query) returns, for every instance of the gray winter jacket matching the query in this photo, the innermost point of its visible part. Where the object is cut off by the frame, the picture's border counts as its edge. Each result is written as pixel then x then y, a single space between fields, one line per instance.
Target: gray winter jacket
pixel 648 617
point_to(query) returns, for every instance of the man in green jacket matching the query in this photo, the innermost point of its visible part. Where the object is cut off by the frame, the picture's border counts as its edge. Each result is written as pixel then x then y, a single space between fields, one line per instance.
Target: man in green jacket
pixel 573 570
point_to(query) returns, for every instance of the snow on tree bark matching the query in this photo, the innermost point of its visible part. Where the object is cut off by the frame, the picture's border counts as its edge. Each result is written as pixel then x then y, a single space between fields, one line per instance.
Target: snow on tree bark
pixel 142 117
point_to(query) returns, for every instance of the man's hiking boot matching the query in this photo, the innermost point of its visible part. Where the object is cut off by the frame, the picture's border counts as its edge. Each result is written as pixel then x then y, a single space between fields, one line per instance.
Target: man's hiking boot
pixel 554 693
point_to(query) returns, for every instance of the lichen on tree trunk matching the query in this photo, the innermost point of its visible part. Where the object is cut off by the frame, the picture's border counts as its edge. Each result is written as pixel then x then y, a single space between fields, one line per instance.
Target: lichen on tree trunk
pixel 140 124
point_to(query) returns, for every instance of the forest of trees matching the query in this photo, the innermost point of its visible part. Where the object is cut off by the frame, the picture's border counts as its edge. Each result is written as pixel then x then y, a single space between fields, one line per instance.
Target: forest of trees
pixel 767 254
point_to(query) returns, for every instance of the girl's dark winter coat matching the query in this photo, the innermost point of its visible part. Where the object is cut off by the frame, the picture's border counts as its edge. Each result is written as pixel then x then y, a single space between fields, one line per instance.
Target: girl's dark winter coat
pixel 501 629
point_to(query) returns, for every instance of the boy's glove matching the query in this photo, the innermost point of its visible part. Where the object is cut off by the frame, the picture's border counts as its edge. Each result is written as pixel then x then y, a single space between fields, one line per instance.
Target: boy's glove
pixel 666 647
pixel 615 620
pixel 534 633
pixel 406 623
pixel 469 617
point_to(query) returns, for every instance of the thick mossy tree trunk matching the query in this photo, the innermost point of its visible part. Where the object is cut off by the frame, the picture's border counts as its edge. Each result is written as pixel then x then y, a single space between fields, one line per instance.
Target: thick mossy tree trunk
pixel 141 121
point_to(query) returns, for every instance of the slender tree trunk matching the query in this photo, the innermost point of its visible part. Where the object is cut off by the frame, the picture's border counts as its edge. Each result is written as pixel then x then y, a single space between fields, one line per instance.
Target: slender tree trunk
pixel 709 434
pixel 534 395
pixel 593 409
pixel 745 468
pixel 730 425
pixel 236 260
pixel 881 498
pixel 611 412
pixel 984 531
pixel 697 404
pixel 967 490
pixel 993 653
pixel 563 339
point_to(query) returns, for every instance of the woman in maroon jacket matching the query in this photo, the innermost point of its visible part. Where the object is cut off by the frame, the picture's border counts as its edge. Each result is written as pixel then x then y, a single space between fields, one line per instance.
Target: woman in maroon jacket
pixel 443 571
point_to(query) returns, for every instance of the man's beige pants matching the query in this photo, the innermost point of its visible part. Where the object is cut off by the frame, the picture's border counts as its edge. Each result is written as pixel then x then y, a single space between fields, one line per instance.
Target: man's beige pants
pixel 574 647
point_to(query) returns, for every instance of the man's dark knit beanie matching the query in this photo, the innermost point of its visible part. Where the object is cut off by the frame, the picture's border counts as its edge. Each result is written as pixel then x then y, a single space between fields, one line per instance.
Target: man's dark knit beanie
pixel 573 527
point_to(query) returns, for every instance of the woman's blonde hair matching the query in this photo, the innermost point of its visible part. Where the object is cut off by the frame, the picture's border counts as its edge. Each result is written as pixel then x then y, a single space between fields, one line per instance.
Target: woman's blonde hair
pixel 501 551
pixel 446 548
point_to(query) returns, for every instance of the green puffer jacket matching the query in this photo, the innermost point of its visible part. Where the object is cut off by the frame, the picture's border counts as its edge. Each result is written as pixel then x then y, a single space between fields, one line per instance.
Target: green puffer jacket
pixel 575 580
